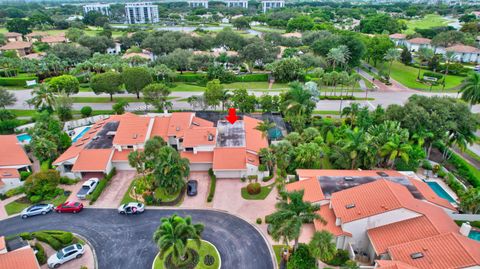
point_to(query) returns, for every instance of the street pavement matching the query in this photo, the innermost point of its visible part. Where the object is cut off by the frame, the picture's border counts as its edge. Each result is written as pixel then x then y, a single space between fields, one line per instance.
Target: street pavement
pixel 126 241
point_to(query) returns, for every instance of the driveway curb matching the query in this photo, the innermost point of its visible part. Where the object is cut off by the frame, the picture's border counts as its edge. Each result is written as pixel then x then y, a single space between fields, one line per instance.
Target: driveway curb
pixel 91 247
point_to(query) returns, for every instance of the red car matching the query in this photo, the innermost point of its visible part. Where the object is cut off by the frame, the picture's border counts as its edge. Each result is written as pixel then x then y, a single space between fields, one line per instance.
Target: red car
pixel 69 207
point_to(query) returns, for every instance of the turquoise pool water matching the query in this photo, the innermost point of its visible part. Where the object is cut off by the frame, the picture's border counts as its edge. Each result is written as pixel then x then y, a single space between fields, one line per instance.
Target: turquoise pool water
pixel 81 134
pixel 475 235
pixel 24 138
pixel 440 191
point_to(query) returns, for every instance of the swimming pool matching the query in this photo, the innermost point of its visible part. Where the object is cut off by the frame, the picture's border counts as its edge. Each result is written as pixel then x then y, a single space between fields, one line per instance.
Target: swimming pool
pixel 475 235
pixel 440 191
pixel 81 134
pixel 24 138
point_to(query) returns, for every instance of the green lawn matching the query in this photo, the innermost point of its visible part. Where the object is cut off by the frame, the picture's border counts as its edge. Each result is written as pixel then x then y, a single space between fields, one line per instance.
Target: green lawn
pixel 428 21
pixel 257 86
pixel 184 87
pixel 161 193
pixel 407 76
pixel 126 197
pixel 278 252
pixel 16 206
pixel 206 248
pixel 264 192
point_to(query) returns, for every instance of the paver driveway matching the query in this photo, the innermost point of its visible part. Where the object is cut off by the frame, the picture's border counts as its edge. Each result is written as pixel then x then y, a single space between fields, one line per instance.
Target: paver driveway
pixel 112 195
pixel 200 200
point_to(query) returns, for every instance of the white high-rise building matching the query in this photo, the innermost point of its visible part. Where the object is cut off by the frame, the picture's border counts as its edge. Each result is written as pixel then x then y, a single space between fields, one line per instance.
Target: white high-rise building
pixel 269 4
pixel 102 8
pixel 141 12
pixel 198 3
pixel 237 3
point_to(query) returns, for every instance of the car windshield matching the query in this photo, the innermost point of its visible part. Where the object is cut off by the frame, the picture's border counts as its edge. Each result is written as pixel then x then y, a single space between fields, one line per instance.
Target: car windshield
pixel 76 204
pixel 139 205
pixel 60 254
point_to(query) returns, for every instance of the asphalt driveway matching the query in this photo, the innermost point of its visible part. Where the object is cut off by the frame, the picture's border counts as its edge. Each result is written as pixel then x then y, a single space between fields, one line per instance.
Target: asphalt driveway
pixel 126 241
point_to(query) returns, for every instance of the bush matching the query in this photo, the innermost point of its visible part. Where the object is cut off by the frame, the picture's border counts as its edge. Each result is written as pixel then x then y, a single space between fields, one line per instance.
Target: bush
pixel 427 165
pixel 101 185
pixel 441 173
pixel 243 179
pixel 16 81
pixel 190 78
pixel 259 220
pixel 340 258
pixel 267 178
pixel 86 111
pixel 68 181
pixel 15 191
pixel 254 188
pixel 301 258
pixel 41 256
pixel 433 75
pixel 463 168
pixel 252 177
pixel 262 167
pixel 41 185
pixel 213 186
pixel 65 237
pixel 47 238
pixel 35 199
pixel 252 78
pixel 454 184
pixel 26 236
pixel 8 72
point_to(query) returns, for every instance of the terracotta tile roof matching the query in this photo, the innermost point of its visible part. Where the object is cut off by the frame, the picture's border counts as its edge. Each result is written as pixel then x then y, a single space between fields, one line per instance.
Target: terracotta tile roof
pixel 398 36
pixel 229 158
pixel 9 173
pixel 306 173
pixel 132 130
pixel 329 216
pixel 35 34
pixel 11 152
pixel 400 232
pixel 19 259
pixel 16 45
pixel 92 160
pixel 200 136
pixel 54 39
pixel 12 34
pixel 121 156
pixel 445 251
pixel 200 157
pixel 369 199
pixel 136 54
pixel 253 159
pixel 312 192
pixel 199 122
pixel 387 264
pixel 430 195
pixel 160 127
pixel 253 137
pixel 419 40
pixel 179 122
pixel 463 49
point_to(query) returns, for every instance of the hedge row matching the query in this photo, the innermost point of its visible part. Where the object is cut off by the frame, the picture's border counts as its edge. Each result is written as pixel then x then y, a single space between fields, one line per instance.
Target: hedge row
pixel 252 78
pixel 191 78
pixel 101 185
pixel 56 239
pixel 464 169
pixel 16 81
pixel 41 256
pixel 213 185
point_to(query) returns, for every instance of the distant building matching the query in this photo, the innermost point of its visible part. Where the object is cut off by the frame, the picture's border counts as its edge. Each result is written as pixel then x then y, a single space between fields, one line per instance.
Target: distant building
pixel 101 8
pixel 198 3
pixel 22 48
pixel 237 3
pixel 398 39
pixel 417 43
pixel 13 37
pixel 141 12
pixel 269 4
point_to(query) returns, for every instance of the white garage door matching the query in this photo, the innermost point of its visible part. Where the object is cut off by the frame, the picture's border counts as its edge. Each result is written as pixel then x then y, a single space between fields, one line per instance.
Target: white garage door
pixel 123 166
pixel 229 174
pixel 200 166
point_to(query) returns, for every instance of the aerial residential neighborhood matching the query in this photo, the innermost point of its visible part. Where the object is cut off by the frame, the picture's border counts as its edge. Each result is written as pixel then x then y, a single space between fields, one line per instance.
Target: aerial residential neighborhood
pixel 240 134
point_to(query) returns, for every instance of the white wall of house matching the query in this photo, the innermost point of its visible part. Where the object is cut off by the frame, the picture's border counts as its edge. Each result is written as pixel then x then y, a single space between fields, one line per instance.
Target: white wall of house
pixel 358 228
pixel 10 183
pixel 416 47
pixel 18 167
pixel 230 173
pixel 122 166
pixel 200 166
pixel 253 170
pixel 208 148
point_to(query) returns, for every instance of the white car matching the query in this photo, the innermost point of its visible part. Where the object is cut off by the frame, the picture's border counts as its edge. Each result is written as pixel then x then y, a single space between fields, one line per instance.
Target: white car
pixel 131 208
pixel 87 188
pixel 66 254
pixel 37 209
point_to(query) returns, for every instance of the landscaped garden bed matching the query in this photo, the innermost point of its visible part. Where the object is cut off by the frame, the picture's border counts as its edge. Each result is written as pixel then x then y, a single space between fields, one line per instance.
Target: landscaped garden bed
pixel 257 192
pixel 204 257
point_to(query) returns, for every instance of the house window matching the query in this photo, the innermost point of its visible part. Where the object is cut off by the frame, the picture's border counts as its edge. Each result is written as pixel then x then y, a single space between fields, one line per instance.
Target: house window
pixel 189 149
pixel 129 147
pixel 67 168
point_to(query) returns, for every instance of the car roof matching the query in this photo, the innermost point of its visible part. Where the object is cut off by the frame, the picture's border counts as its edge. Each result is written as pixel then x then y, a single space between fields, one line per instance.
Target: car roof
pixel 69 248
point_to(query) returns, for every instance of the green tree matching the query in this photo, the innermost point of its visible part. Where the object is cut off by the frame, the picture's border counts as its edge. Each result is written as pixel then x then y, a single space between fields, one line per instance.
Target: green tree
pixel 449 57
pixel 179 59
pixel 322 246
pixel 66 83
pixel 339 55
pixel 287 70
pixel 380 23
pixel 86 111
pixel 424 55
pixel 42 99
pixel 213 93
pixel 470 200
pixel 120 106
pixel 300 23
pixel 173 234
pixel 21 26
pixel 470 89
pixel 406 56
pixel 74 34
pixel 108 82
pixel 308 156
pixel 268 158
pixel 42 185
pixel 264 127
pixel 63 107
pixel 156 94
pixel 243 101
pixel 48 138
pixel 6 98
pixel 302 258
pixel 135 79
pixel 241 23
pixel 170 170
pixel 391 56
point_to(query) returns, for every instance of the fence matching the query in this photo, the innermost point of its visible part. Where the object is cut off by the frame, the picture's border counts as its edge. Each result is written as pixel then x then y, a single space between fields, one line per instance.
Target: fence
pixel 82 122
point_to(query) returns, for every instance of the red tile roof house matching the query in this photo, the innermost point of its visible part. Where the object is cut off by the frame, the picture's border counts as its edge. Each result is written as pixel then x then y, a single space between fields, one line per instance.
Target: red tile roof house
pixel 389 217
pixel 109 141
pixel 21 258
pixel 398 39
pixel 12 160
pixel 465 54
pixel 22 48
pixel 13 37
pixel 415 44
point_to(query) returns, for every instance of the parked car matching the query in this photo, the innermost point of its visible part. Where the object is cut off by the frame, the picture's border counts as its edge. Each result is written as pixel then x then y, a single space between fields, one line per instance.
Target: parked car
pixel 477 68
pixel 69 207
pixel 36 209
pixel 192 186
pixel 66 254
pixel 131 208
pixel 87 188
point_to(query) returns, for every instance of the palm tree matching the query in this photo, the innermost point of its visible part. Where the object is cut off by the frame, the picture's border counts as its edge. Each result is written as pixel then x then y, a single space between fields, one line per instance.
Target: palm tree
pixel 355 145
pixel 322 246
pixel 173 233
pixel 265 126
pixel 392 55
pixel 339 55
pixel 470 200
pixel 268 158
pixel 351 111
pixel 470 89
pixel 43 99
pixel 394 149
pixel 424 54
pixel 448 57
pixel 224 98
pixel 292 212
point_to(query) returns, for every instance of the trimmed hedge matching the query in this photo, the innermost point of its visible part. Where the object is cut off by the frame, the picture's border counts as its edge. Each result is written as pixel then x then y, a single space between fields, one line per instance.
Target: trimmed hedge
pixel 464 169
pixel 16 81
pixel 213 185
pixel 41 256
pixel 252 78
pixel 54 238
pixel 47 238
pixel 101 185
pixel 192 78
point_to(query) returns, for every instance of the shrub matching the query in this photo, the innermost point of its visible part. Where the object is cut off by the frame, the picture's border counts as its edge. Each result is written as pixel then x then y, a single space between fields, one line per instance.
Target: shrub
pixel 427 165
pixel 441 173
pixel 101 185
pixel 50 240
pixel 191 78
pixel 259 220
pixel 35 199
pixel 15 191
pixel 433 75
pixel 213 185
pixel 68 181
pixel 16 81
pixel 24 175
pixel 41 256
pixel 254 188
pixel 65 237
pixel 86 111
pixel 463 168
pixel 26 236
pixel 454 184
pixel 267 178
pixel 340 258
pixel 262 168
pixel 301 258
pixel 243 179
pixel 252 177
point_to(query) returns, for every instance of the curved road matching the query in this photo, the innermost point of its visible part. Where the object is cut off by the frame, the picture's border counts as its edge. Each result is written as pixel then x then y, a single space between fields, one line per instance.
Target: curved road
pixel 126 241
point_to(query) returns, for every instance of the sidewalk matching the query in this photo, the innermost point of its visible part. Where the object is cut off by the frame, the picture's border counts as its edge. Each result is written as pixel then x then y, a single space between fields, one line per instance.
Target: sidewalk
pixel 396 86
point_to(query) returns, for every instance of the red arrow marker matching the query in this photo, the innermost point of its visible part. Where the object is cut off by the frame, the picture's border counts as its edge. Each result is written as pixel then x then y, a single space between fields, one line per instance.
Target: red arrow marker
pixel 232 115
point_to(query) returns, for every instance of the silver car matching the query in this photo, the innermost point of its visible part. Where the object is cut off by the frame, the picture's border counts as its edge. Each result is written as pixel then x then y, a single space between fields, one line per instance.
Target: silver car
pixel 65 254
pixel 131 208
pixel 37 209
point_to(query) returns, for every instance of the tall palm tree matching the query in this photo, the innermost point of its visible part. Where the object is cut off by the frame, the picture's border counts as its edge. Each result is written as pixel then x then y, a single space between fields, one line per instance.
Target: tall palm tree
pixel 424 54
pixel 268 158
pixel 224 98
pixel 43 99
pixel 339 55
pixel 470 89
pixel 392 55
pixel 322 246
pixel 265 126
pixel 448 57
pixel 355 145
pixel 395 148
pixel 470 200
pixel 292 212
pixel 174 233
